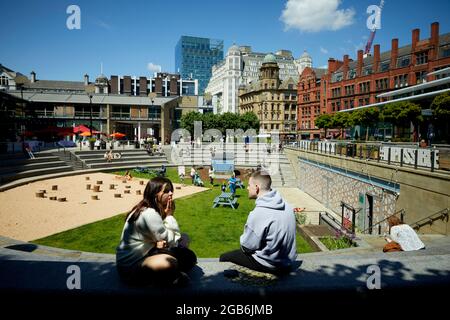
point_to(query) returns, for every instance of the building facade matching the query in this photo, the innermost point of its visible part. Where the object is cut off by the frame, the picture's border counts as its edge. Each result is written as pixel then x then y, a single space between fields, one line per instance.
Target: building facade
pixel 274 101
pixel 50 103
pixel 195 56
pixel 350 84
pixel 241 66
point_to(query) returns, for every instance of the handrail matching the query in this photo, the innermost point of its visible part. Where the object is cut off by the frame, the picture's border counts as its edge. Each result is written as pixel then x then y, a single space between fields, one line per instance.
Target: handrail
pixel 331 217
pixel 430 219
pixel 401 211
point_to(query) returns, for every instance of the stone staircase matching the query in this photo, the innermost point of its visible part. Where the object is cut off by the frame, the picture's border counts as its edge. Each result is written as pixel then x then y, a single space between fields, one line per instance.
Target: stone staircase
pixel 70 159
pixel 130 158
pixel 286 176
pixel 17 166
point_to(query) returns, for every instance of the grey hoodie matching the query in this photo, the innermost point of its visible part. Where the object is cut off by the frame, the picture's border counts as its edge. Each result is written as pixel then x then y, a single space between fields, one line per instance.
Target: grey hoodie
pixel 270 232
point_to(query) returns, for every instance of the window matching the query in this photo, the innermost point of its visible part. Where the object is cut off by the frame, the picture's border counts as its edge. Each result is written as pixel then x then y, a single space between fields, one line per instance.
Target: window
pixel 403 61
pixel 445 51
pixel 3 81
pixel 422 57
pixel 349 90
pixel 351 74
pixel 421 77
pixel 401 80
pixel 336 92
pixel 382 84
pixel 385 66
pixel 364 87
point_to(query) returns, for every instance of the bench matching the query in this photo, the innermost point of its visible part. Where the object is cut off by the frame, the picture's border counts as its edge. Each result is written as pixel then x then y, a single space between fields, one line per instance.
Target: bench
pixel 226 199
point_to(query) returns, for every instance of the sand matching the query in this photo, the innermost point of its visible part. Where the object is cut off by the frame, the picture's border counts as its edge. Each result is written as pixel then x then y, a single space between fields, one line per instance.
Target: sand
pixel 23 216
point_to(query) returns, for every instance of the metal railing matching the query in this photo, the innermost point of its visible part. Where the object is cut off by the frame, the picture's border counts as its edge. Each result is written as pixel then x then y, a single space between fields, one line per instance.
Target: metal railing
pixel 441 214
pixel 403 155
pixel 402 213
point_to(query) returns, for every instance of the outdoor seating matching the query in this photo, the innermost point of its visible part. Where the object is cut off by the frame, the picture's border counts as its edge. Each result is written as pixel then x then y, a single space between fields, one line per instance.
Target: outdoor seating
pixel 226 199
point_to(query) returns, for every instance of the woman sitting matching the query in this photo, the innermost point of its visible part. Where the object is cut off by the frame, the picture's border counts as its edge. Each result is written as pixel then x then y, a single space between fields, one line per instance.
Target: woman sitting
pixel 152 249
pixel 402 236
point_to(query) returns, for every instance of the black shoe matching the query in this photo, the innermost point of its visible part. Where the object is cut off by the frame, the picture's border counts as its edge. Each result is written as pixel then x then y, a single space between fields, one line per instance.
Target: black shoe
pixel 230 273
pixel 182 280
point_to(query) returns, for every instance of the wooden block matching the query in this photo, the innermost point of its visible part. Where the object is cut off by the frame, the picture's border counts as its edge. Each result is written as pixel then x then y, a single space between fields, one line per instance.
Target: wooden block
pixel 178 188
pixel 128 187
pixel 126 191
pixel 99 182
pixel 53 198
pixel 62 199
pixel 124 181
pixel 96 188
pixel 138 192
pixel 141 182
pixel 117 195
pixel 55 187
pixel 94 197
pixel 111 187
pixel 88 187
pixel 40 194
pixel 43 191
pixel 87 178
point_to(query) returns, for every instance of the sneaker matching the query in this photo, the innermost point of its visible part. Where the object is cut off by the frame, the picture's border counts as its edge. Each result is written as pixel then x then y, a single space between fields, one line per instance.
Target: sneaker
pixel 231 273
pixel 182 280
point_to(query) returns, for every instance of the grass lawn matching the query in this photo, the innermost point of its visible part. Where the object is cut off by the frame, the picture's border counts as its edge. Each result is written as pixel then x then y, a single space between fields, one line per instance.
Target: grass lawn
pixel 212 231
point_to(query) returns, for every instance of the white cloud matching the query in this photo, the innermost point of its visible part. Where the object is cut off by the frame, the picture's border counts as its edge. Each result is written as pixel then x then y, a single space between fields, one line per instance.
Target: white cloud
pixel 316 15
pixel 153 67
pixel 323 50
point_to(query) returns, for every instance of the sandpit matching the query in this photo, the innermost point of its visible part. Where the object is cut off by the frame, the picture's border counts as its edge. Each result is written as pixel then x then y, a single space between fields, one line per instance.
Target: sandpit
pixel 24 216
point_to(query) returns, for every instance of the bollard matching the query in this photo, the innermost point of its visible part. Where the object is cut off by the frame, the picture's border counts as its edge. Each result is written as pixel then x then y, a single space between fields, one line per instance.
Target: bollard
pixel 111 187
pixel 141 182
pixel 88 187
pixel 138 192
pixel 97 188
pixel 55 187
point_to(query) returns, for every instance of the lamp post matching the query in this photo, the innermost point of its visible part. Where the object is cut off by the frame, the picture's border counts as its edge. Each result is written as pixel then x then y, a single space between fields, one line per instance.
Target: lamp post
pixel 23 120
pixel 90 115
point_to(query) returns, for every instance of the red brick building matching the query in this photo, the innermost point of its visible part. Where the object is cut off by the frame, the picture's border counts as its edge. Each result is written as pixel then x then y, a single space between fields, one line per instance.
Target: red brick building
pixel 350 84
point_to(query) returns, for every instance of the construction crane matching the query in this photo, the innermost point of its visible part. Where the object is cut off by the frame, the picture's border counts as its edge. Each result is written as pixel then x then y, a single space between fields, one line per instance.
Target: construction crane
pixel 372 33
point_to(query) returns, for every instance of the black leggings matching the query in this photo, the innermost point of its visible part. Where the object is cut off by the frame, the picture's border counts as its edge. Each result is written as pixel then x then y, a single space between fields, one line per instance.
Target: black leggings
pixel 246 260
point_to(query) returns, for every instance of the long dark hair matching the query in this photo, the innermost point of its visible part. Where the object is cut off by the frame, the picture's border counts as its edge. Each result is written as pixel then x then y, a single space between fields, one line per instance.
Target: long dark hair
pixel 149 200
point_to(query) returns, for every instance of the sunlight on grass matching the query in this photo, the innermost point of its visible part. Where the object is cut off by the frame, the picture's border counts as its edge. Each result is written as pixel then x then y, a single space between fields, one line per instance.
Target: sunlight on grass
pixel 212 230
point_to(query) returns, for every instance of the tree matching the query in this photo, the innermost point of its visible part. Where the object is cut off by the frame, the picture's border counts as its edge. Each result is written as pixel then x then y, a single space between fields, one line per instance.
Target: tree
pixel 228 120
pixel 323 122
pixel 341 120
pixel 441 105
pixel 187 121
pixel 366 117
pixel 402 113
pixel 249 120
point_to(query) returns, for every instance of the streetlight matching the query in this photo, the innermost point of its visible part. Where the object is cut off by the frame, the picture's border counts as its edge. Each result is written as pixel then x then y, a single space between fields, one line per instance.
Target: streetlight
pixel 90 116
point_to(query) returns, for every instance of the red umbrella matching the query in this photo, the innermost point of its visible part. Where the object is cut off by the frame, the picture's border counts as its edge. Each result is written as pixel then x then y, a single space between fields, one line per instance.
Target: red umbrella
pixel 81 128
pixel 117 135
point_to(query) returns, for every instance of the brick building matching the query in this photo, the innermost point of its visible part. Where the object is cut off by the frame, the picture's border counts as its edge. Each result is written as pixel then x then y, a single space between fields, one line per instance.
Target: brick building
pixel 351 84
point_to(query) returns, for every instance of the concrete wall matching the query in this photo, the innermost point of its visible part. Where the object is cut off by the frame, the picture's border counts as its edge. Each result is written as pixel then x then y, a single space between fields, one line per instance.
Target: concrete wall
pixel 422 192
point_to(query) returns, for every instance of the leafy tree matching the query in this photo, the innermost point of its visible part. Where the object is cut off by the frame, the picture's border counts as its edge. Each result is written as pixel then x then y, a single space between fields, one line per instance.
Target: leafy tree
pixel 366 117
pixel 323 122
pixel 402 113
pixel 228 120
pixel 441 105
pixel 187 121
pixel 249 120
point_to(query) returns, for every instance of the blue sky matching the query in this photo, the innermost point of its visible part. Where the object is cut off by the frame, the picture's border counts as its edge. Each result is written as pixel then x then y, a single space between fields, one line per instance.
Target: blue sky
pixel 128 36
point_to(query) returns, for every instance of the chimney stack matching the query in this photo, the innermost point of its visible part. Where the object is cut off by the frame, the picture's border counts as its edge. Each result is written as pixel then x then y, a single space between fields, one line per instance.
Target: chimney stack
pixel 415 38
pixel 86 79
pixel 331 65
pixel 360 63
pixel 33 77
pixel 394 53
pixel 345 66
pixel 434 40
pixel 376 58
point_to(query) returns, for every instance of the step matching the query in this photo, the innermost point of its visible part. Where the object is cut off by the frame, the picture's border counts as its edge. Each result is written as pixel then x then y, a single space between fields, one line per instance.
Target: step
pixel 102 152
pixel 125 158
pixel 30 166
pixel 32 173
pixel 126 163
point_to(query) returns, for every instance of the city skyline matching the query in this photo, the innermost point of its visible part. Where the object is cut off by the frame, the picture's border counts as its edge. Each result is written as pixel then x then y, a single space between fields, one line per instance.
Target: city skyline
pixel 139 39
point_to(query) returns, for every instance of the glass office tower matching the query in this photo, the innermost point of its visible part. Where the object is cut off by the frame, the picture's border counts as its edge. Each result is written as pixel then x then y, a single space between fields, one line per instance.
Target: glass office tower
pixel 194 58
